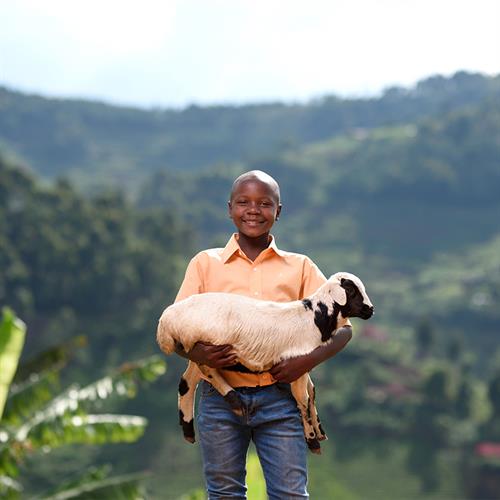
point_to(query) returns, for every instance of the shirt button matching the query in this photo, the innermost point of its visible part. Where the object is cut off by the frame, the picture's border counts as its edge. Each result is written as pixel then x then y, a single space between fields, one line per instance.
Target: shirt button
pixel 256 293
pixel 255 269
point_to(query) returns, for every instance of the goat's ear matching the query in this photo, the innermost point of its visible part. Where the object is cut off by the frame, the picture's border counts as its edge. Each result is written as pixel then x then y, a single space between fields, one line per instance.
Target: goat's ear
pixel 348 285
pixel 338 294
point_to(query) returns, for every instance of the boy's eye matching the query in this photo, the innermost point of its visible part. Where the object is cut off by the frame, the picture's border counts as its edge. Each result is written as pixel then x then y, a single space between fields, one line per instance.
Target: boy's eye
pixel 246 202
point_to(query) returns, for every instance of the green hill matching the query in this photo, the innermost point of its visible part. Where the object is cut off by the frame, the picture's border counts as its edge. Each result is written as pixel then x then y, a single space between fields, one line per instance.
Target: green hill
pixel 97 144
pixel 403 190
pixel 390 197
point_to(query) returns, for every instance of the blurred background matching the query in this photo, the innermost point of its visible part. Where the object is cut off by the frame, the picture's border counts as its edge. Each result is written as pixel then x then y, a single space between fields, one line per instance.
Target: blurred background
pixel 122 127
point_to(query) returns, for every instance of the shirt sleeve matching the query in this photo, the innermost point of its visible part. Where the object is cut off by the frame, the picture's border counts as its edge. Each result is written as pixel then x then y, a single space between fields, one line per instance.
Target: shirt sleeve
pixel 193 280
pixel 312 279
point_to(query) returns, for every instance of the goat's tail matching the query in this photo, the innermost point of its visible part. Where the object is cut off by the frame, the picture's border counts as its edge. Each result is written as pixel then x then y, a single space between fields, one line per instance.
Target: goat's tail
pixel 163 336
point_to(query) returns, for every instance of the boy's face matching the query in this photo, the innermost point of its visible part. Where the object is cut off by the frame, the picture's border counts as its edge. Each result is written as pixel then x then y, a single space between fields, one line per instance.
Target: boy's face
pixel 254 206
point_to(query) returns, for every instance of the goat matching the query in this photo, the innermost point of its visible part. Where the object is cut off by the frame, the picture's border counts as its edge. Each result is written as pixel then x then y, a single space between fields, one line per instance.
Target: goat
pixel 262 333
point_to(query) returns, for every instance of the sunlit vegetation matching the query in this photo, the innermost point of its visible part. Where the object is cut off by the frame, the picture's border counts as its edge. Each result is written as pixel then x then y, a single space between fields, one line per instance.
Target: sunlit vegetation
pixel 40 416
pixel 403 190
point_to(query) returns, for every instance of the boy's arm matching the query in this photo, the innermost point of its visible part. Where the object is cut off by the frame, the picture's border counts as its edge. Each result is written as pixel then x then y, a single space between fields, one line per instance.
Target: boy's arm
pixel 291 369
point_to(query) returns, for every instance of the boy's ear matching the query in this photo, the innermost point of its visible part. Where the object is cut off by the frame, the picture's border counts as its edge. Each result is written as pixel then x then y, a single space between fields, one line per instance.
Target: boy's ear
pixel 278 212
pixel 229 209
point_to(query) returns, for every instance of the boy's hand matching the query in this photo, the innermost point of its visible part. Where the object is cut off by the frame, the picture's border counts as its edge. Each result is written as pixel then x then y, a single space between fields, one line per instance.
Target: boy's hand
pixel 214 356
pixel 291 369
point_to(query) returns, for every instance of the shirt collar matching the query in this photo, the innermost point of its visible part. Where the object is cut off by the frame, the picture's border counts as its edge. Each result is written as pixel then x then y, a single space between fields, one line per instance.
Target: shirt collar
pixel 232 247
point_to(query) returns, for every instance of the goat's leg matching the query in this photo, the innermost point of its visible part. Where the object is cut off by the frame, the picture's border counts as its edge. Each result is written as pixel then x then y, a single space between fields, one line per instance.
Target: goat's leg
pixel 185 402
pixel 311 392
pixel 227 392
pixel 299 392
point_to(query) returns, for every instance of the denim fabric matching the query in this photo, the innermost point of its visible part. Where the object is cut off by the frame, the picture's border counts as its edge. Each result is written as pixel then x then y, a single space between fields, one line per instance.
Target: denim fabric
pixel 272 421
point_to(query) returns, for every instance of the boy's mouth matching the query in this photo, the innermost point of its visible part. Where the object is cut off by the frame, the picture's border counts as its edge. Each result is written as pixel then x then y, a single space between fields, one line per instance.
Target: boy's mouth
pixel 251 222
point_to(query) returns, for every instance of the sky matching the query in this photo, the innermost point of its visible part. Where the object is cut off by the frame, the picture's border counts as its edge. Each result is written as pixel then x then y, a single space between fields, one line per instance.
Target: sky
pixel 173 53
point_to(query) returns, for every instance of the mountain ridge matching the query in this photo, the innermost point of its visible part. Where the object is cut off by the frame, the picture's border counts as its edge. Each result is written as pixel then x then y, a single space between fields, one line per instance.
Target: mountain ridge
pixel 82 139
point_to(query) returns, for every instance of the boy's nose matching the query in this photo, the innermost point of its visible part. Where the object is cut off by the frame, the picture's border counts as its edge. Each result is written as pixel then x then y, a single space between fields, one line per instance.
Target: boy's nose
pixel 254 208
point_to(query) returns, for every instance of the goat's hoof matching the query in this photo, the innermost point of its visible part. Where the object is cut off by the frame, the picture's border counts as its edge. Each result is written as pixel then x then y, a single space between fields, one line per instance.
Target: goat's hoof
pixel 187 427
pixel 188 431
pixel 320 435
pixel 235 402
pixel 314 446
pixel 321 432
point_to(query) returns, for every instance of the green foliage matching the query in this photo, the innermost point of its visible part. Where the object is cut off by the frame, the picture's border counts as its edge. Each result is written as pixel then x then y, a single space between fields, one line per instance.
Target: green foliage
pixel 390 200
pixel 424 337
pixel 391 188
pixel 255 478
pixel 38 418
pixel 9 488
pixel 68 264
pixel 197 494
pixel 377 472
pixel 12 332
pixel 64 419
pixel 36 380
pixel 89 487
pixel 494 394
pixel 100 144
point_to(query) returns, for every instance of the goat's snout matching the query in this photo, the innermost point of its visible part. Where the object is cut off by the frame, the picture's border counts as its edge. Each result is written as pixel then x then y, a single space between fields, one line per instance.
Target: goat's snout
pixel 366 311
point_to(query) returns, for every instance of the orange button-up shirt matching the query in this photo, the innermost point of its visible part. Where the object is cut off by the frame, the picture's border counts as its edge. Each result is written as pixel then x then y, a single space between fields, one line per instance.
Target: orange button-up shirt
pixel 273 275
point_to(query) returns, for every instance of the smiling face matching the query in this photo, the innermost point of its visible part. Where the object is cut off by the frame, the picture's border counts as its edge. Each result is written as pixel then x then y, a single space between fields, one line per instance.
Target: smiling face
pixel 254 206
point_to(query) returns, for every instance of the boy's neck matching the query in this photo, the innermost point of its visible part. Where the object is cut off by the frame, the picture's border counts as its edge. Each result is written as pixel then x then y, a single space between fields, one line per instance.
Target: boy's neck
pixel 252 247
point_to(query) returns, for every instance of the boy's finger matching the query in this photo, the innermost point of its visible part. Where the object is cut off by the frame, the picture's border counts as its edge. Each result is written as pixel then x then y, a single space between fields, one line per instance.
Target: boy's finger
pixel 224 347
pixel 228 357
pixel 228 361
pixel 275 370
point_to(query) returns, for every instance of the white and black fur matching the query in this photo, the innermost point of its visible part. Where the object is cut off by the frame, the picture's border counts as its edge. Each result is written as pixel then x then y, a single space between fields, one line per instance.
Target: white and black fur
pixel 262 333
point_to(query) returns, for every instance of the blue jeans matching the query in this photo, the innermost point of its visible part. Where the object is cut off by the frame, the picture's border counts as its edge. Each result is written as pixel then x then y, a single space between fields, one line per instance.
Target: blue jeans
pixel 273 422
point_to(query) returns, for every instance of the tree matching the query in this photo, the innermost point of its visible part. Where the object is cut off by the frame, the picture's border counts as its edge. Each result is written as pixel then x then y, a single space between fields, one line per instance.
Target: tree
pixel 424 337
pixel 38 416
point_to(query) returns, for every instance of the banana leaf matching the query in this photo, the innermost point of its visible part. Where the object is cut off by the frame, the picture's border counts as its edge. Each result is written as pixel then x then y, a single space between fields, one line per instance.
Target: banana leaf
pixel 12 333
pixel 9 489
pixel 125 487
pixel 86 429
pixel 52 359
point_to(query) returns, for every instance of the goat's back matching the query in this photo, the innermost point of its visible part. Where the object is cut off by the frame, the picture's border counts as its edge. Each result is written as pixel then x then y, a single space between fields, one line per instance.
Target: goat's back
pixel 259 331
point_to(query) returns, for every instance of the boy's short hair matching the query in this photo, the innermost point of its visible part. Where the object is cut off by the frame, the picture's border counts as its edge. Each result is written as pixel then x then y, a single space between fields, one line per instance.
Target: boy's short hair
pixel 258 175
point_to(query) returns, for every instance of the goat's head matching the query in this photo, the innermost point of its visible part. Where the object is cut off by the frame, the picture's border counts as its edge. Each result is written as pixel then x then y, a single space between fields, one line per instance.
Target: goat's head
pixel 349 293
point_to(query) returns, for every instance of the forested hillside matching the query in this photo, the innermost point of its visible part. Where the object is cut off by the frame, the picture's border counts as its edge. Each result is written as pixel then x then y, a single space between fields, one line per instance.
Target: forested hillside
pixel 401 192
pixel 96 143
pixel 101 207
pixel 71 265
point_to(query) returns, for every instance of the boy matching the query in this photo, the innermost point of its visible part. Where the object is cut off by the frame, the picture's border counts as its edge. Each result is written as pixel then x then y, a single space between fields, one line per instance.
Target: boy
pixel 251 264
